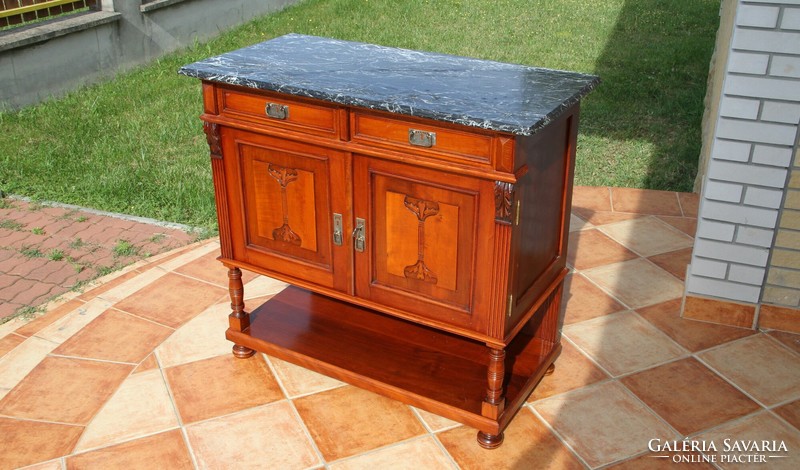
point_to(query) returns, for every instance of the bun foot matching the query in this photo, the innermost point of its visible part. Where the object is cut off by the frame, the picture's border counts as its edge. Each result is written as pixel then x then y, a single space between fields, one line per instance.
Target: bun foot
pixel 242 352
pixel 550 370
pixel 489 441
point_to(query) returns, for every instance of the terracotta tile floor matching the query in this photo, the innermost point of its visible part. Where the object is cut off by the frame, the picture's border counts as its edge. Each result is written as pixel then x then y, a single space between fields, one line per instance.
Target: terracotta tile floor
pixel 136 373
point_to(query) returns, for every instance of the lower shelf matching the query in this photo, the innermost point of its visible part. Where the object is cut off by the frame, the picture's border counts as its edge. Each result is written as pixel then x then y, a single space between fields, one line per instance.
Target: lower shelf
pixel 430 369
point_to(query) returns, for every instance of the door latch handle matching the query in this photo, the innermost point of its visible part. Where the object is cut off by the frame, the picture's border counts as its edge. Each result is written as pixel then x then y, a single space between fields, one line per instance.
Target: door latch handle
pixel 338 237
pixel 359 235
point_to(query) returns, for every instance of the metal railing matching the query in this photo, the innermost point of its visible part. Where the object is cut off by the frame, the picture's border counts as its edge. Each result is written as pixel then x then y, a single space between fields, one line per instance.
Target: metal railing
pixel 20 12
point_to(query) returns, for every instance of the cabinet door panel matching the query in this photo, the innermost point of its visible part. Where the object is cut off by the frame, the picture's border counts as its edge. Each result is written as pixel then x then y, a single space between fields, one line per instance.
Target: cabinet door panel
pixel 287 203
pixel 423 240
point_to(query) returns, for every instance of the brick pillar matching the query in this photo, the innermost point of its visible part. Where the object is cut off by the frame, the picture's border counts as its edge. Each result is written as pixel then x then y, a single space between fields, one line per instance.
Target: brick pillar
pixel 746 178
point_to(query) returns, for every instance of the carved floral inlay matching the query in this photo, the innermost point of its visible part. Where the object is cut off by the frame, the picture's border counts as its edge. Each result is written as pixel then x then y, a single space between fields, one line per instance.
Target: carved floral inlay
pixel 422 209
pixel 503 197
pixel 284 176
pixel 212 137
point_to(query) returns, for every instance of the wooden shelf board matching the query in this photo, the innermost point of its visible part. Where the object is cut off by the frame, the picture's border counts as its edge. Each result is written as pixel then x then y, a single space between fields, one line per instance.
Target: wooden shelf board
pixel 434 370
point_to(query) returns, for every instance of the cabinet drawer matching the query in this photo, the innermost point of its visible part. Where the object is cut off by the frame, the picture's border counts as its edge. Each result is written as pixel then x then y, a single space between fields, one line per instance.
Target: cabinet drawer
pixel 421 138
pixel 278 111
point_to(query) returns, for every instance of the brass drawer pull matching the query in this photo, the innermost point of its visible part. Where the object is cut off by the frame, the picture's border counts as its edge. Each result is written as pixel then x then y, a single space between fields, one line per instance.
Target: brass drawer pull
pixel 421 138
pixel 277 111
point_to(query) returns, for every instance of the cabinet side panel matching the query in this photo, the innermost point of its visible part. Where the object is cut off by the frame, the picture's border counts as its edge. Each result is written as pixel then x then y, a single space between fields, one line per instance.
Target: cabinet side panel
pixel 544 193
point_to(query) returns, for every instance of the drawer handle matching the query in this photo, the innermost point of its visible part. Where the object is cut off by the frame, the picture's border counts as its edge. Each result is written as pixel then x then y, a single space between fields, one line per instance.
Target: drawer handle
pixel 421 138
pixel 277 111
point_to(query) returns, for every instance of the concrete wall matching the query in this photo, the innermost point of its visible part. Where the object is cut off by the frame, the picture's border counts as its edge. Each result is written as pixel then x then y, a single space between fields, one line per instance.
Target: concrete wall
pixel 50 59
pixel 745 182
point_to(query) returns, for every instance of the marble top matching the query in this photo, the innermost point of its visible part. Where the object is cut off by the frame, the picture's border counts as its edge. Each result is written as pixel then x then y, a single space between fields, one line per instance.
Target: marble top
pixel 479 93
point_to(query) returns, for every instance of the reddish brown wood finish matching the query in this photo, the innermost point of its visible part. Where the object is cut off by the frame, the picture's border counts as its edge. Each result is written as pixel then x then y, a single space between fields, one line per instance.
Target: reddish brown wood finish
pixel 452 305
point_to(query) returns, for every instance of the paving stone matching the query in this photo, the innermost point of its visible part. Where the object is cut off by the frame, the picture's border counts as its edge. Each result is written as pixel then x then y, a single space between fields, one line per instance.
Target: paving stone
pixel 35 290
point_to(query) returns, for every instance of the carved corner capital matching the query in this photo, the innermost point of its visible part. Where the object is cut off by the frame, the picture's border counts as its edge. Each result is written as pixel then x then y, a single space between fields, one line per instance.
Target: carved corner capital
pixel 212 137
pixel 503 199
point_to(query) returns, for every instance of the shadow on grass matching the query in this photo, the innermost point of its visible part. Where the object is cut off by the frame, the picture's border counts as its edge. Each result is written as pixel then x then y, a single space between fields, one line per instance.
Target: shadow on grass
pixel 654 66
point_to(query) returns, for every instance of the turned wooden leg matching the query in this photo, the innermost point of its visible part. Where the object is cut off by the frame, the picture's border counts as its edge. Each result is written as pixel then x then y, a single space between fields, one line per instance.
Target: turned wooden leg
pixel 489 441
pixel 238 319
pixel 550 369
pixel 495 402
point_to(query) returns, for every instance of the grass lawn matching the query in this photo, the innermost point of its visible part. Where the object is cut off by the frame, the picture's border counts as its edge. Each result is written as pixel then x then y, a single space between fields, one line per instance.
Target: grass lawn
pixel 135 145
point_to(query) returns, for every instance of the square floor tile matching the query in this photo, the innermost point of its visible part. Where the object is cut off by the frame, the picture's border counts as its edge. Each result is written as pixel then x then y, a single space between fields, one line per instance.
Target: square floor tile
pixel 600 218
pixel 691 334
pixel 583 300
pixel 165 450
pixel 148 363
pixel 50 465
pixel 763 369
pixel 209 269
pixel 9 342
pixel 347 421
pixel 221 385
pixel 30 442
pixel 573 370
pixel 74 321
pixel 416 454
pixel 64 390
pixel 647 236
pixel 576 223
pixel 674 262
pixel 201 337
pixel 140 407
pixel 623 342
pixel 689 203
pixel 33 327
pixel 115 336
pixel 636 283
pixel 596 198
pixel 758 428
pixel 527 444
pixel 603 423
pixel 790 340
pixel 17 363
pixel 689 396
pixel 267 436
pixel 434 422
pixel 299 381
pixel 687 225
pixel 590 248
pixel 790 412
pixel 645 201
pixel 172 300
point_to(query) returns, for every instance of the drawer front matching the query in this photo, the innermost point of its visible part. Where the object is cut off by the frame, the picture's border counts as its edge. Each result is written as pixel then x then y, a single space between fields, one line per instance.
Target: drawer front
pixel 422 138
pixel 281 112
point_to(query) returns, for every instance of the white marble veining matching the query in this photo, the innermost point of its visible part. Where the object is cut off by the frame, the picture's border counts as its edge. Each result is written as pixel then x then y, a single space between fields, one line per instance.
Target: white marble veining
pixel 472 92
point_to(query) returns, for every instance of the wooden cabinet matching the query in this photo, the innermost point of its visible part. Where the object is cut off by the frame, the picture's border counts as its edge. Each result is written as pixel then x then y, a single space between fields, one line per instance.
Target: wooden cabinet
pixel 426 257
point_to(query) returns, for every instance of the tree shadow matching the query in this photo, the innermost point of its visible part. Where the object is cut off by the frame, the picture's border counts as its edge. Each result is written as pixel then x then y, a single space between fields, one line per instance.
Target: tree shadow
pixel 654 69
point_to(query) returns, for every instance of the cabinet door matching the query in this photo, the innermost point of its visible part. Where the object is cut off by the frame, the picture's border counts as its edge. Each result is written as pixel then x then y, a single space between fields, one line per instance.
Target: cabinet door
pixel 283 201
pixel 425 234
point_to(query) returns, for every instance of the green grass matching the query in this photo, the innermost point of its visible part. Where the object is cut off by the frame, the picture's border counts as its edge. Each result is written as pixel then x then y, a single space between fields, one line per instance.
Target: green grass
pixel 125 248
pixel 10 224
pixel 135 145
pixel 30 252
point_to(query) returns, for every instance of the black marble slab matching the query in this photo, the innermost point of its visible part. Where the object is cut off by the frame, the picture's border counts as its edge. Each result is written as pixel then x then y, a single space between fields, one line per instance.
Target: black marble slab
pixel 472 92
